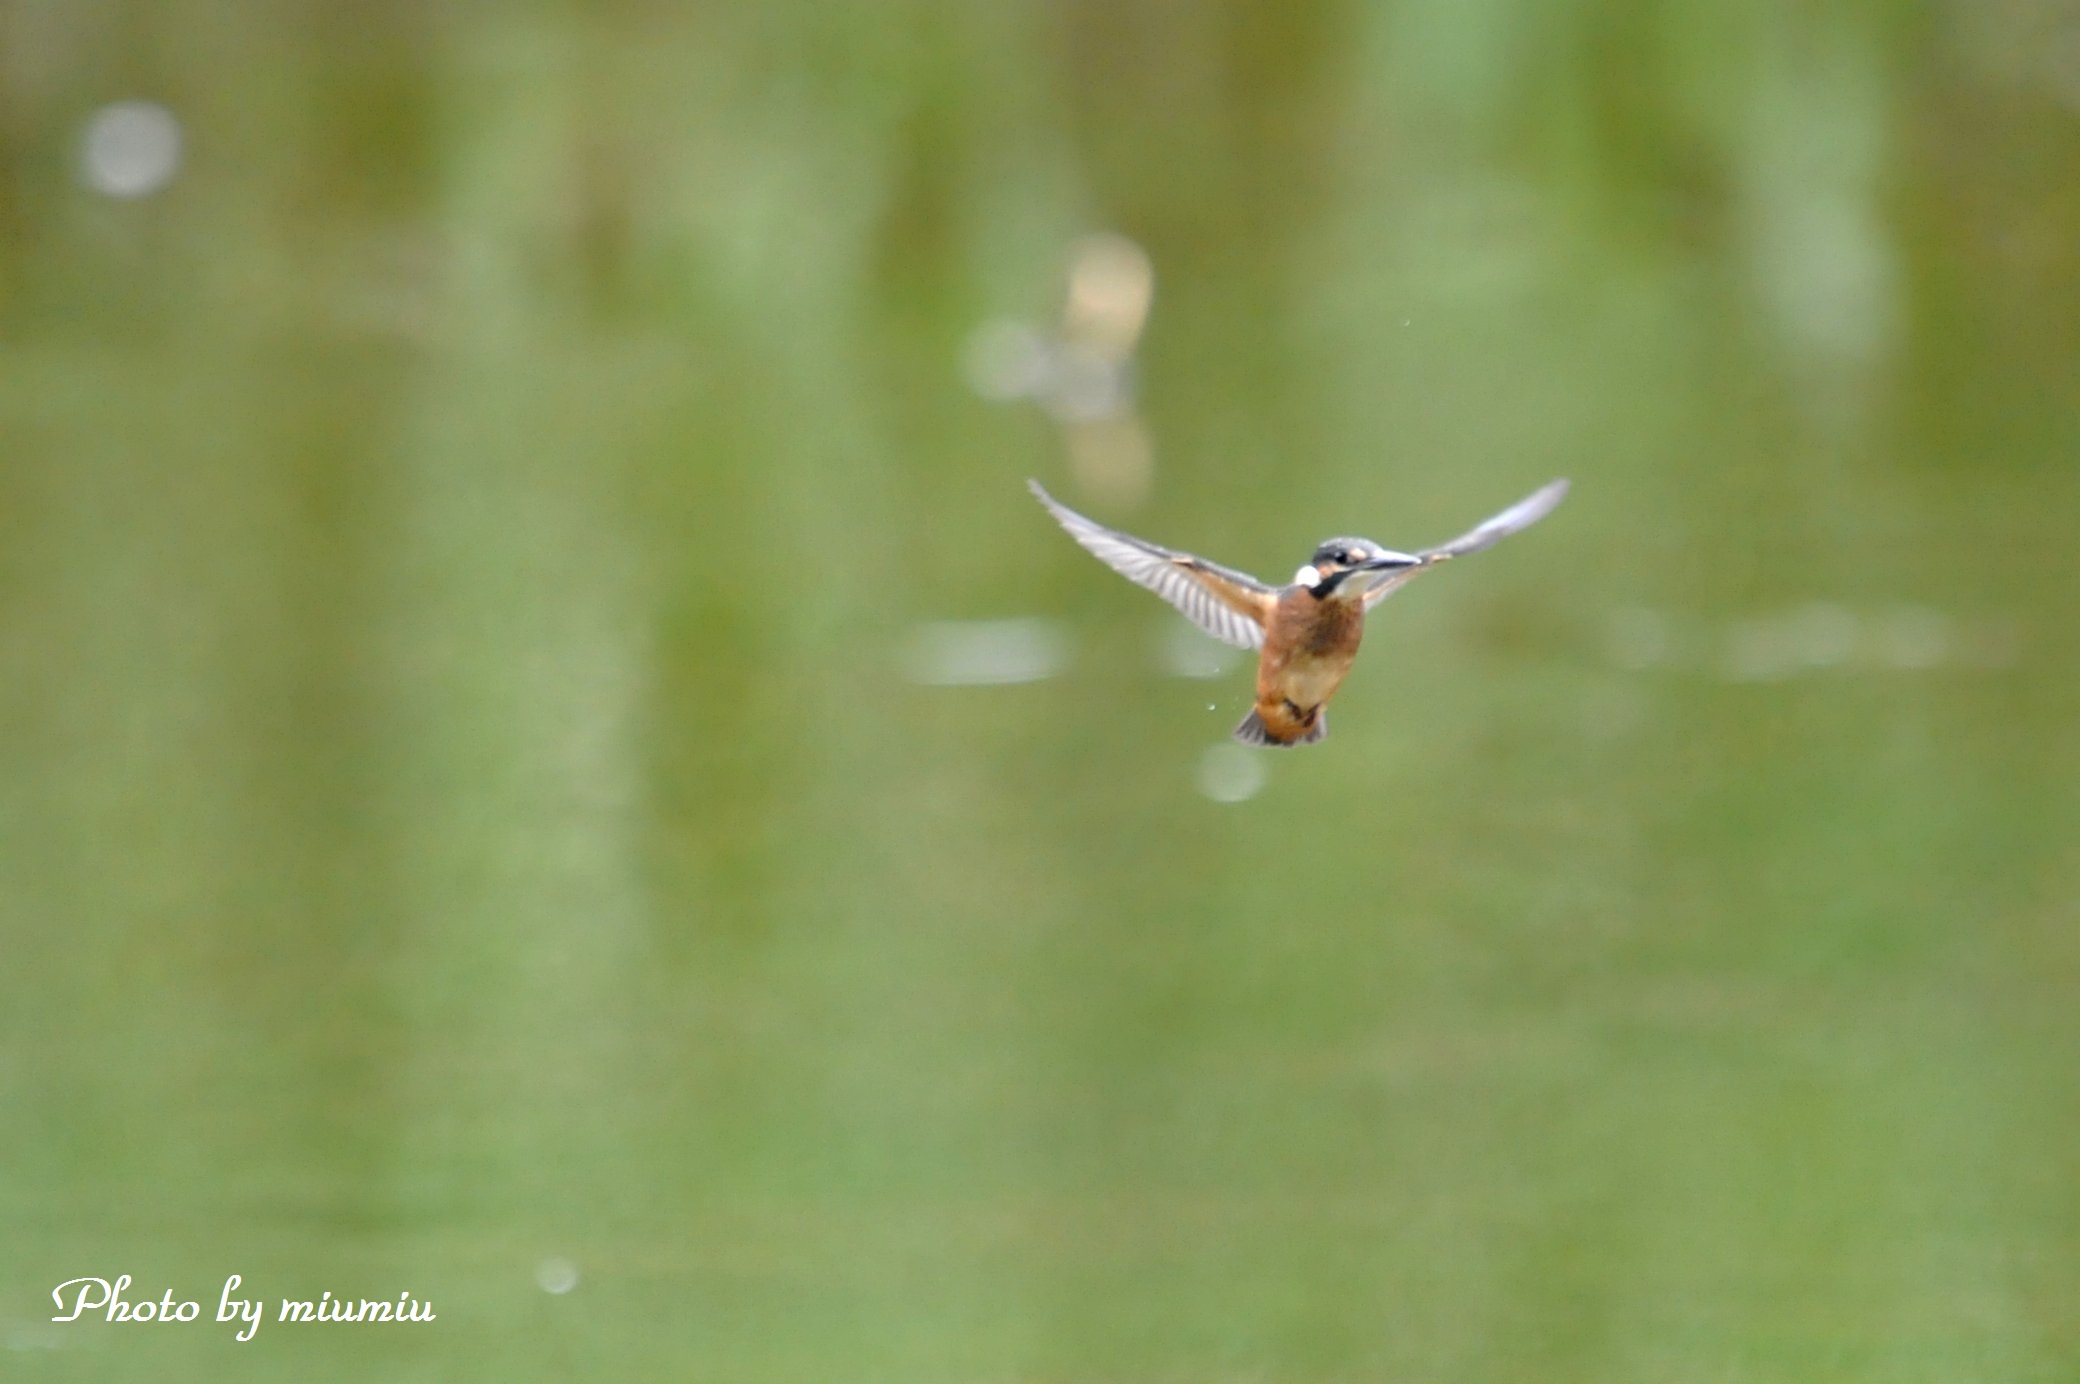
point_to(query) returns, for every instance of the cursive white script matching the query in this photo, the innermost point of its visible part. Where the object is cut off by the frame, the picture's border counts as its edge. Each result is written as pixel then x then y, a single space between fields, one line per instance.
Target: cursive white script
pixel 98 1293
pixel 230 1308
pixel 77 1296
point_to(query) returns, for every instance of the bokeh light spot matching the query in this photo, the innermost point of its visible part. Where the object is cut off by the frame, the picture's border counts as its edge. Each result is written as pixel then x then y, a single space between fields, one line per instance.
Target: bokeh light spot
pixel 556 1275
pixel 1231 773
pixel 131 149
pixel 981 653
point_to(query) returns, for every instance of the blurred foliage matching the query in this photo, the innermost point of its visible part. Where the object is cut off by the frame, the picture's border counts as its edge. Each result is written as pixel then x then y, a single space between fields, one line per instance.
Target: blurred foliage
pixel 463 802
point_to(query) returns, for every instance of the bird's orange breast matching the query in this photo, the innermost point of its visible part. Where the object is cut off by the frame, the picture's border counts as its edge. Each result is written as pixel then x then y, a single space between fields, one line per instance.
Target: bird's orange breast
pixel 1308 648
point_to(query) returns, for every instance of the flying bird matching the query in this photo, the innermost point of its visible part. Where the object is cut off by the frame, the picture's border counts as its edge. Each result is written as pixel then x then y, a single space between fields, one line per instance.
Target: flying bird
pixel 1307 633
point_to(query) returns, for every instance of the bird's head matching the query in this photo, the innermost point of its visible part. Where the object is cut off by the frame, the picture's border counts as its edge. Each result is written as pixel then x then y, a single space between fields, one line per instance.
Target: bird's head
pixel 1349 567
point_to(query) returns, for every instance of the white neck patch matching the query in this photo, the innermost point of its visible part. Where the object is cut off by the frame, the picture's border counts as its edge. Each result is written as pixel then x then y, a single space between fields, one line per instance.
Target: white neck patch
pixel 1308 577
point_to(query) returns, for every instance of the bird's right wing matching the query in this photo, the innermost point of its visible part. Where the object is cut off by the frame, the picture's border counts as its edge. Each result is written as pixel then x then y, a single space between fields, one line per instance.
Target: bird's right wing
pixel 1229 605
pixel 1486 534
pixel 1518 517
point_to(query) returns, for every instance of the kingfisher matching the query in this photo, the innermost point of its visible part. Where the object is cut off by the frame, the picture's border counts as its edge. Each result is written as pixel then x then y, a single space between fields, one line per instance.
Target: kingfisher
pixel 1306 634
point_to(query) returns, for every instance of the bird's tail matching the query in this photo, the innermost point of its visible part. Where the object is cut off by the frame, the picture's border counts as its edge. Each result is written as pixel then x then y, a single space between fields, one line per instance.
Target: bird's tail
pixel 1253 731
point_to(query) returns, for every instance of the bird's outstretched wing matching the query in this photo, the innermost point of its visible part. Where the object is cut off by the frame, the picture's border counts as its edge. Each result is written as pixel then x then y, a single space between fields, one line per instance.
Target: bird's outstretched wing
pixel 1231 606
pixel 1486 534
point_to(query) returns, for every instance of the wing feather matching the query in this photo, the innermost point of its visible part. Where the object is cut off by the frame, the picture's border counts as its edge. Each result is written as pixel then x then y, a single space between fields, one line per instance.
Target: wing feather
pixel 1486 534
pixel 1229 605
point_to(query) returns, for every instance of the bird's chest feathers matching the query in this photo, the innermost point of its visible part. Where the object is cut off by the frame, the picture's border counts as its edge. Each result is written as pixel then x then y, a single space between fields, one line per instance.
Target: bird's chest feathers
pixel 1310 645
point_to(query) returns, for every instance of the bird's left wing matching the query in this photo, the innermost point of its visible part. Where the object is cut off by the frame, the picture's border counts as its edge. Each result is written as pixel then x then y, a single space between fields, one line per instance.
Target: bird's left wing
pixel 1229 605
pixel 1486 534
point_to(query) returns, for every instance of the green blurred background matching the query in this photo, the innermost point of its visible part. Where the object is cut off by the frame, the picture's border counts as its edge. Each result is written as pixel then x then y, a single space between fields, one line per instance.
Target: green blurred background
pixel 504 786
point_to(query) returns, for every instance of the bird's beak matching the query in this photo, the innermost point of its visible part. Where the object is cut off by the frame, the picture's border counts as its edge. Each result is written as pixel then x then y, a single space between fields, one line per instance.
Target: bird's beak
pixel 1389 561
